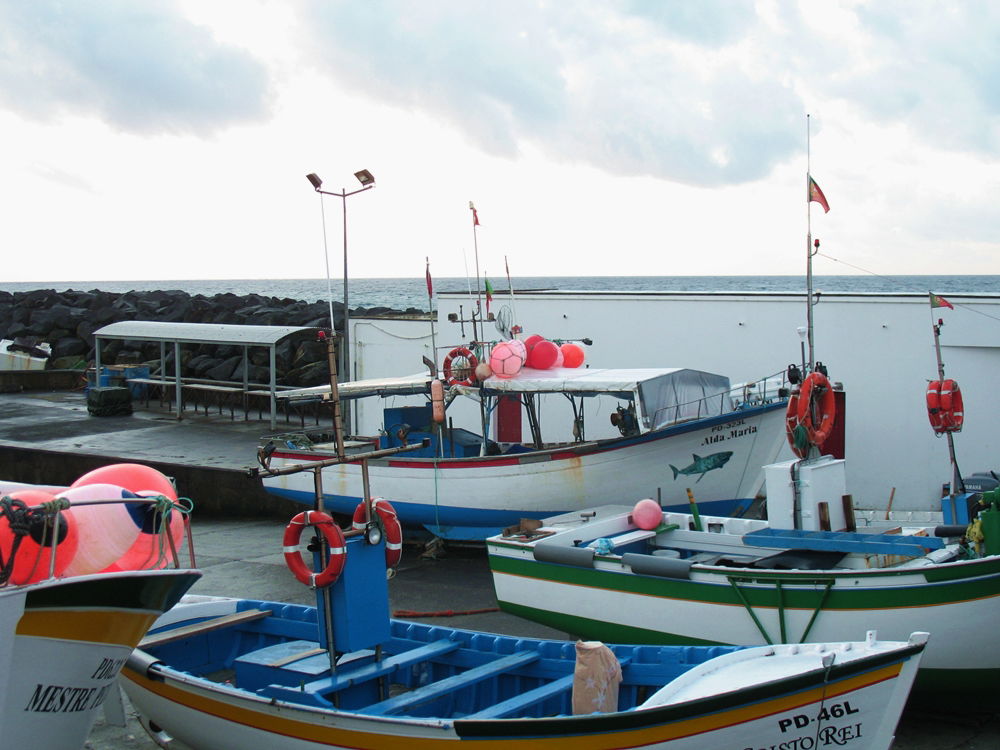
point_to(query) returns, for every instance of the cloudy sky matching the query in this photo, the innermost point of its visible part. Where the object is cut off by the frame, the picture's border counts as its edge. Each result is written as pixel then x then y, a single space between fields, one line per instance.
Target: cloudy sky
pixel 171 138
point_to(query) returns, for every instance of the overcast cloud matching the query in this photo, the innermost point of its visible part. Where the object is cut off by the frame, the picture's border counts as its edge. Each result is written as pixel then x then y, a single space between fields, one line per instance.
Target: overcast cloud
pixel 627 108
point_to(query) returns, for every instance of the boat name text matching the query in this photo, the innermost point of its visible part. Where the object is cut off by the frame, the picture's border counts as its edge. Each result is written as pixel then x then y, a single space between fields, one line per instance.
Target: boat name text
pixel 64 699
pixel 728 431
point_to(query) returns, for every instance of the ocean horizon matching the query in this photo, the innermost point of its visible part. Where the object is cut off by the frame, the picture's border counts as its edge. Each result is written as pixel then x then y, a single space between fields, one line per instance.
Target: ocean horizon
pixel 405 293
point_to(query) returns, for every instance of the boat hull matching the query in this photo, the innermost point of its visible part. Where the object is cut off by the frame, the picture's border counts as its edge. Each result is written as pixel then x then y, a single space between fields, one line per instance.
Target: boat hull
pixel 719 605
pixel 63 644
pixel 472 498
pixel 850 695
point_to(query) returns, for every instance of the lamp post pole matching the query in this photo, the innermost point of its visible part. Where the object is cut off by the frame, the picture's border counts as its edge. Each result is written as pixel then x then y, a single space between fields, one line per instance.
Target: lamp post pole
pixel 367 183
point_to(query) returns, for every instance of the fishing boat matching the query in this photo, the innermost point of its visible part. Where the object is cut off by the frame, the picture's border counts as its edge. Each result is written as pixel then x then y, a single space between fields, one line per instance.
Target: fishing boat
pixel 640 574
pixel 221 673
pixel 21 354
pixel 662 428
pixel 78 590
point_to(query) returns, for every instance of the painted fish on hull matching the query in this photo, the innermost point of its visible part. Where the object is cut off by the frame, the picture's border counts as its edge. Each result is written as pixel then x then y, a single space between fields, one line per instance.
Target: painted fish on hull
pixel 703 464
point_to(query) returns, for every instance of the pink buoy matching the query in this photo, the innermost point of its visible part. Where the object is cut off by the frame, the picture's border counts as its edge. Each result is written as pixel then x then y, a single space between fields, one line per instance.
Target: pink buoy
pixel 133 477
pixel 519 346
pixel 34 553
pixel 151 549
pixel 543 355
pixel 107 528
pixel 505 360
pixel 647 514
pixel 572 355
pixel 559 358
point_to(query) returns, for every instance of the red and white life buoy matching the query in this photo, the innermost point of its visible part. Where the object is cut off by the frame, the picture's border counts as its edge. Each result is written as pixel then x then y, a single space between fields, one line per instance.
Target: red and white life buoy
pixel 817 407
pixel 390 523
pixel 934 406
pixel 952 407
pixel 334 539
pixel 470 367
pixel 792 421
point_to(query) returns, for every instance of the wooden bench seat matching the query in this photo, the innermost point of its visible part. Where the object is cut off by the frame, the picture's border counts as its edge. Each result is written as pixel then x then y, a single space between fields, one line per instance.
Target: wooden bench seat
pixel 400 703
pixel 349 675
pixel 205 626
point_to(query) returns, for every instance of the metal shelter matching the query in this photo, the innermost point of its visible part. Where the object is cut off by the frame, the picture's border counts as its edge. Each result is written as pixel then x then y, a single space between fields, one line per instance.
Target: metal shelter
pixel 200 333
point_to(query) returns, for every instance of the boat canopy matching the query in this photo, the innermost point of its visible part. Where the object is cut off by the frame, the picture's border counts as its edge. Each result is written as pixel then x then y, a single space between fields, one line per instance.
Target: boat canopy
pixel 662 395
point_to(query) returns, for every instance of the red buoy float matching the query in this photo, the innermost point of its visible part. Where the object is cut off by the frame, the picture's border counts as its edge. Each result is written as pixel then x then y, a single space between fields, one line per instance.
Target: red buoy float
pixel 934 406
pixel 334 539
pixel 390 523
pixel 817 407
pixel 952 407
pixel 792 421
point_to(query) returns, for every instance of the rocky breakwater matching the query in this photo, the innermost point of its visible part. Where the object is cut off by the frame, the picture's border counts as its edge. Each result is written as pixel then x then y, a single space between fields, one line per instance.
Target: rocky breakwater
pixel 67 321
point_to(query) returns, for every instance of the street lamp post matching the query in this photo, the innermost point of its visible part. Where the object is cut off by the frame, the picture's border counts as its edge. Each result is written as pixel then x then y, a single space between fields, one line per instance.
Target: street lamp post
pixel 367 183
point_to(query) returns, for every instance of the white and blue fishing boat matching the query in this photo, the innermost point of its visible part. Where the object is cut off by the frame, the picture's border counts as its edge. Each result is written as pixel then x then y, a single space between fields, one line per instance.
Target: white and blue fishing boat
pixel 658 429
pixel 223 673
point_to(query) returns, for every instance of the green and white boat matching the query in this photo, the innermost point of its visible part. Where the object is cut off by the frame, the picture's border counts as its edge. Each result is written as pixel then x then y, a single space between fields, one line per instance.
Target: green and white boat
pixel 716 580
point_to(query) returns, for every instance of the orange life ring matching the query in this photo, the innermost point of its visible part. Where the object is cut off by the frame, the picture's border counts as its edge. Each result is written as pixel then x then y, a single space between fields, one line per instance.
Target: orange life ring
pixel 792 421
pixel 934 413
pixel 816 393
pixel 334 538
pixel 460 351
pixel 952 407
pixel 390 523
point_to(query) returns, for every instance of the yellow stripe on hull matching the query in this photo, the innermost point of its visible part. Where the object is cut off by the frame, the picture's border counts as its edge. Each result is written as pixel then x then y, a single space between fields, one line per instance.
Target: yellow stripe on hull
pixel 306 731
pixel 120 627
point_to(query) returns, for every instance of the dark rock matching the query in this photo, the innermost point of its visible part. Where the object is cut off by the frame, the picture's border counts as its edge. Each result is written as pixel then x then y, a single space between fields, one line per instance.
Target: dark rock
pixel 70 346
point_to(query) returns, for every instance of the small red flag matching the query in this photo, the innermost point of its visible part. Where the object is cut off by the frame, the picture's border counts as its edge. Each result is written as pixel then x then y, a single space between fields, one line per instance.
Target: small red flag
pixel 475 216
pixel 815 194
pixel 489 295
pixel 940 302
pixel 430 287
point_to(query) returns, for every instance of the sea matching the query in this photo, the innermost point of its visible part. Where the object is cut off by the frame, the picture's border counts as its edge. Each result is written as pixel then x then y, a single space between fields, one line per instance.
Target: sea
pixel 406 293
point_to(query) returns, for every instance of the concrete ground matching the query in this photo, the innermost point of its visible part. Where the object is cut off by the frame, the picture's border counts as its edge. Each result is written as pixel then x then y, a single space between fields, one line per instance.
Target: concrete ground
pixel 49 437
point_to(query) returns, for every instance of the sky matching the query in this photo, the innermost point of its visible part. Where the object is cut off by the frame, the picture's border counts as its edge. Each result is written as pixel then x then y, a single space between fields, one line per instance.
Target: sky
pixel 172 138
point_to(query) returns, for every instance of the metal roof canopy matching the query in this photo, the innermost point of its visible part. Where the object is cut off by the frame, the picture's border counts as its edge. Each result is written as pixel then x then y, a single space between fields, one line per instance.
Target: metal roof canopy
pixel 200 333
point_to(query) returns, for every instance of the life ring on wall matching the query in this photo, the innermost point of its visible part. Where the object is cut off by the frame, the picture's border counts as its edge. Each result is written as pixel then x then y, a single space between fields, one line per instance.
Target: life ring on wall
pixel 390 523
pixel 791 422
pixel 952 408
pixel 934 406
pixel 450 377
pixel 816 393
pixel 334 539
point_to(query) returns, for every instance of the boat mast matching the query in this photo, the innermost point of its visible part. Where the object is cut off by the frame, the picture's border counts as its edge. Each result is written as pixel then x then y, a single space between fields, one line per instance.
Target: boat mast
pixel 809 255
pixel 479 292
pixel 957 485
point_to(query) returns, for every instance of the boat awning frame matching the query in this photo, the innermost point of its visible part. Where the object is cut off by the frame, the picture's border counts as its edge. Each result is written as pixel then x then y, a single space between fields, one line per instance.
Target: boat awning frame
pixel 177 334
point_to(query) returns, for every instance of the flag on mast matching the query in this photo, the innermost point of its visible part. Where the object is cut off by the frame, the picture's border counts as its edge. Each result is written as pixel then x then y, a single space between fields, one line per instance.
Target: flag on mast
pixel 489 295
pixel 815 194
pixel 475 216
pixel 430 286
pixel 937 301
